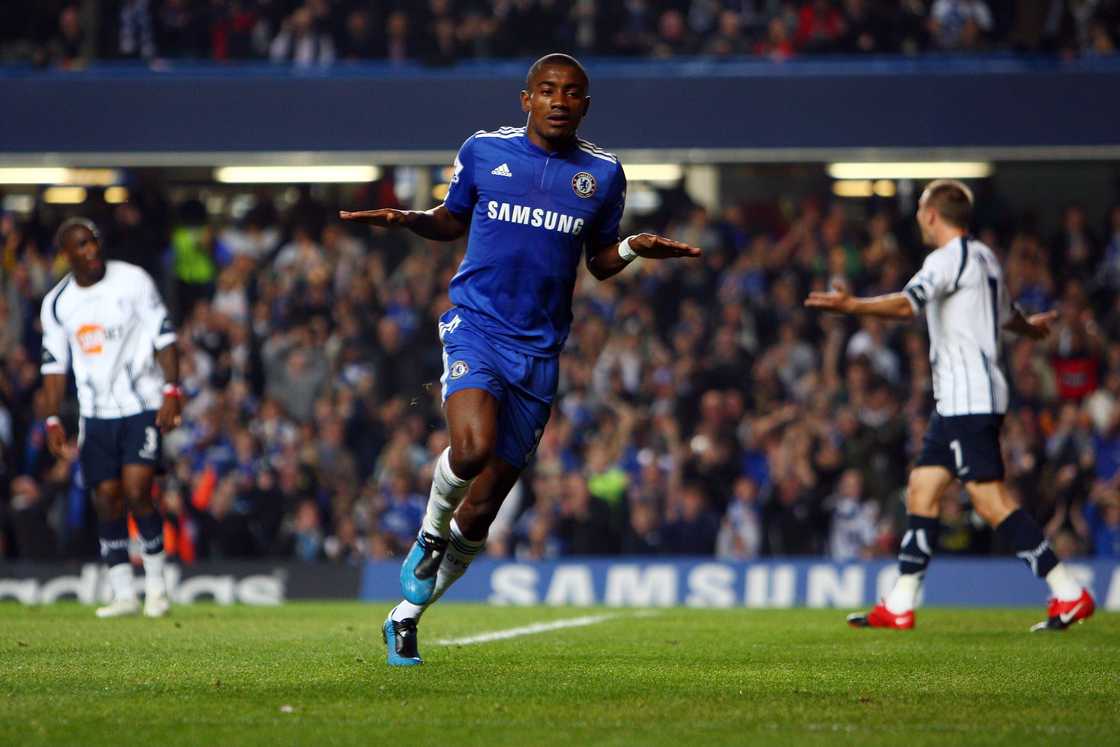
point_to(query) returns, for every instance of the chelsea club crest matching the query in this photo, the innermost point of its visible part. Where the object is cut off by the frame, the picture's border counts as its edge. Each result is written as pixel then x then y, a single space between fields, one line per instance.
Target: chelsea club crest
pixel 583 184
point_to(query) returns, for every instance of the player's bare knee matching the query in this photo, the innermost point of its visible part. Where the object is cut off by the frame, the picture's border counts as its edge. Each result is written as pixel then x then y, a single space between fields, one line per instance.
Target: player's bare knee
pixel 469 456
pixel 920 499
pixel 988 502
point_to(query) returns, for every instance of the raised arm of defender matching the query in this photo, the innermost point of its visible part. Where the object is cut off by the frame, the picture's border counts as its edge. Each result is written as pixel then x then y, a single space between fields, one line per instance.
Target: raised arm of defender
pixel 898 306
pixel 1035 326
pixel 437 224
pixel 840 301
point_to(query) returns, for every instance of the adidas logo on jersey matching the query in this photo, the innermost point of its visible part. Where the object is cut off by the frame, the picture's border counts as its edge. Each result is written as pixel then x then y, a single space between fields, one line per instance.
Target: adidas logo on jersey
pixel 502 170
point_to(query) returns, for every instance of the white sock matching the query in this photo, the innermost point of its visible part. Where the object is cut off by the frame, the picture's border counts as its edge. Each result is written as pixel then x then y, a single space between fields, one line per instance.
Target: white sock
pixel 904 594
pixel 1062 585
pixel 121 580
pixel 460 552
pixel 447 493
pixel 154 583
pixel 406 610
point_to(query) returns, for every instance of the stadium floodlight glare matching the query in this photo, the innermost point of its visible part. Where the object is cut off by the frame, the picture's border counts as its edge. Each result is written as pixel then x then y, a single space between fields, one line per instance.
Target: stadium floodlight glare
pixel 59 175
pixel 911 170
pixel 65 195
pixel 853 188
pixel 653 172
pixel 116 195
pixel 296 174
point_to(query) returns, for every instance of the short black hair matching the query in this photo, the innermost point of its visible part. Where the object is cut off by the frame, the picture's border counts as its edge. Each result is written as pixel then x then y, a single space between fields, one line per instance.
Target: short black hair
pixel 952 200
pixel 70 224
pixel 555 58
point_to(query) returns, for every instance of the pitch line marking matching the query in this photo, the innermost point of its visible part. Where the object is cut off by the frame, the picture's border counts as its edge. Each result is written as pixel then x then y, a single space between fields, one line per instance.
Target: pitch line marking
pixel 544 627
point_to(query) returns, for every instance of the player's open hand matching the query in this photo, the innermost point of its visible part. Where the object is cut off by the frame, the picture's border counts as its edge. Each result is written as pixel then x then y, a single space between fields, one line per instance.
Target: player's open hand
pixel 658 247
pixel 835 300
pixel 1040 324
pixel 170 414
pixel 56 440
pixel 383 217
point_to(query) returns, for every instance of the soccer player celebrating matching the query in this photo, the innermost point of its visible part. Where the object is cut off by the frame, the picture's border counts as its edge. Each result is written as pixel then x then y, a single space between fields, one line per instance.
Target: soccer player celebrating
pixel 106 320
pixel 534 199
pixel 961 289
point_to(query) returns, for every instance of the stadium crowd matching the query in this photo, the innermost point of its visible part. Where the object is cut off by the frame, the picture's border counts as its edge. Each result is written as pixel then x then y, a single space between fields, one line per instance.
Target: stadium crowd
pixel 701 411
pixel 69 34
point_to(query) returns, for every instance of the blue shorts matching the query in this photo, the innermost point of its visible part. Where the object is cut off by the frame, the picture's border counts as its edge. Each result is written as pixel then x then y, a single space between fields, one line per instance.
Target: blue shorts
pixel 966 445
pixel 523 384
pixel 105 445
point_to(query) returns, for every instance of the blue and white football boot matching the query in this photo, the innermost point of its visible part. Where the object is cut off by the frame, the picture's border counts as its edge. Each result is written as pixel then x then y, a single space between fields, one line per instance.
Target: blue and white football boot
pixel 400 642
pixel 418 572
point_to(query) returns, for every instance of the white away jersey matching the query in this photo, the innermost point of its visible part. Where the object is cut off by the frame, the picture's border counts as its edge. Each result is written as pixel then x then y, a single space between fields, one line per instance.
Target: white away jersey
pixel 109 333
pixel 962 291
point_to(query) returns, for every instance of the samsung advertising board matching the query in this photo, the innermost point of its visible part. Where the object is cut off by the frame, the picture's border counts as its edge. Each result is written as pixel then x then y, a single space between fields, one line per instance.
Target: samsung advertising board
pixel 618 582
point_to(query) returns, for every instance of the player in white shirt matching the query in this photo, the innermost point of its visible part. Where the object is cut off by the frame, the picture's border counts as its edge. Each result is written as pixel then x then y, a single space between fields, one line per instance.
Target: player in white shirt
pixel 106 321
pixel 961 289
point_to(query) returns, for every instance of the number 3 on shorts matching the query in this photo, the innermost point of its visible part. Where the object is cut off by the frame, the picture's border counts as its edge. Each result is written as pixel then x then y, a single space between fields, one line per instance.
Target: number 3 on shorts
pixel 150 443
pixel 958 454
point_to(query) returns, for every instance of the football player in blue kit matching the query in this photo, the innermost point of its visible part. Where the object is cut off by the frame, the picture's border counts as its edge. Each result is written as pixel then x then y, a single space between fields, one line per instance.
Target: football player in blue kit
pixel 535 200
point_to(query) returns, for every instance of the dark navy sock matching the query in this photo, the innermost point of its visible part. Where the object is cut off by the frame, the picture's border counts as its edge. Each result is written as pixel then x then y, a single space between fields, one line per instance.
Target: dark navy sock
pixel 114 541
pixel 918 544
pixel 151 532
pixel 1022 533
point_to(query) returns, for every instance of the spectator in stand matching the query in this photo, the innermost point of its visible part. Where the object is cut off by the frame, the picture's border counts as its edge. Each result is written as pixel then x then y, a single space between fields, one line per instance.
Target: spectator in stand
pixel 959 24
pixel 181 30
pixel 136 37
pixel 819 27
pixel 865 31
pixel 585 525
pixel 693 528
pixel 778 44
pixel 194 250
pixel 71 47
pixel 728 40
pixel 1101 524
pixel 853 520
pixel 740 534
pixel 301 43
pixel 360 40
pixel 674 38
pixel 307 533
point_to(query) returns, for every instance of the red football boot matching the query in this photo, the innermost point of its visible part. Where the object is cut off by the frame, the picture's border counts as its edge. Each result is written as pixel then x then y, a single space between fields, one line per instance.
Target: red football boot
pixel 1063 614
pixel 881 617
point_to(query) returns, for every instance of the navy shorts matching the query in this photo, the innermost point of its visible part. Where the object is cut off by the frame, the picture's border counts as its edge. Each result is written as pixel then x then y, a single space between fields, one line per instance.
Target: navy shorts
pixel 105 445
pixel 523 384
pixel 966 445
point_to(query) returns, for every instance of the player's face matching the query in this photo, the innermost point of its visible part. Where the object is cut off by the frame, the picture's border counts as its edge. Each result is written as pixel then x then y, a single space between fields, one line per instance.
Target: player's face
pixel 925 222
pixel 556 102
pixel 83 251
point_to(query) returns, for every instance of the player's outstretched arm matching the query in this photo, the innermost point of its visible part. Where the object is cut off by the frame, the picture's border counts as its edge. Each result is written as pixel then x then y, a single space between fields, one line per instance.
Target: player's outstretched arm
pixel 54 388
pixel 1036 326
pixel 839 301
pixel 437 224
pixel 613 258
pixel 170 411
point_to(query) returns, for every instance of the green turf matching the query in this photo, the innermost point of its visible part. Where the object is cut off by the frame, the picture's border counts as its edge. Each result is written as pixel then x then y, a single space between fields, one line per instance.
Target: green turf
pixel 315 674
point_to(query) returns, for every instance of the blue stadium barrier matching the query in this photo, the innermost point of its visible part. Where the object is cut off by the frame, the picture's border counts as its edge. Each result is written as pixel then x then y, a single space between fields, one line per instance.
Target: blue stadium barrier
pixel 1000 101
pixel 632 582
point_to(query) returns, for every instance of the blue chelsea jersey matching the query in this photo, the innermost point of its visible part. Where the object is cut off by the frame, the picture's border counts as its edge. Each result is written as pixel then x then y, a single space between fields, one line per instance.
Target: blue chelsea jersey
pixel 531 213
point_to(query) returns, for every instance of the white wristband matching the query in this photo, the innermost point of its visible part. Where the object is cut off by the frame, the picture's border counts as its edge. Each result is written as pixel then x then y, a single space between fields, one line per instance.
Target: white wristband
pixel 53 421
pixel 625 252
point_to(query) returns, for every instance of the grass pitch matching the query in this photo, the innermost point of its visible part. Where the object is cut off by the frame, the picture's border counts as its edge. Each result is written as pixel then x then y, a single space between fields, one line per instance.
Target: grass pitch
pixel 315 674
